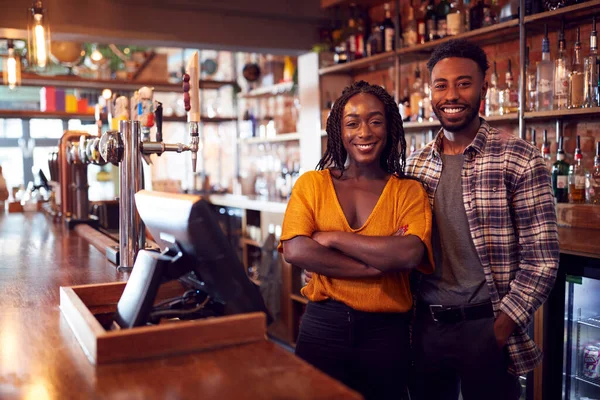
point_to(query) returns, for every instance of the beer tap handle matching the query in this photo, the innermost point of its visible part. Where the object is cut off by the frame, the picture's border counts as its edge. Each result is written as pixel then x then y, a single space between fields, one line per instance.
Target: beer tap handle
pixel 191 97
pixel 158 113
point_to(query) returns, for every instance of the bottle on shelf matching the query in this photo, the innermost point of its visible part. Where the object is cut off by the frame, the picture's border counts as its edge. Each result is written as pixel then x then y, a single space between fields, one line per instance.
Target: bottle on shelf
pixel 361 35
pixel 577 177
pixel 576 76
pixel 560 175
pixel 550 5
pixel 561 73
pixel 467 16
pixel 455 19
pixel 416 96
pixel 351 36
pixel 425 110
pixel 590 87
pixel 374 41
pixel 533 139
pixel 490 13
pixel 404 103
pixel 442 10
pixel 592 180
pixel 431 22
pixel 388 30
pixel 545 77
pixel 421 24
pixel 480 15
pixel 546 149
pixel 410 34
pixel 492 97
pixel 530 82
pixel 509 96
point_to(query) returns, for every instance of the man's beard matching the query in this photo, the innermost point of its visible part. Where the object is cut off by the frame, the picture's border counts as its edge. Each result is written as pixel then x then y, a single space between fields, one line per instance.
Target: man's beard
pixel 455 128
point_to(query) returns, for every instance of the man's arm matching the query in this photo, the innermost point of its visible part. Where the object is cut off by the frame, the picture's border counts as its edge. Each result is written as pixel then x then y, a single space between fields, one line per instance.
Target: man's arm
pixel 306 253
pixel 385 253
pixel 535 221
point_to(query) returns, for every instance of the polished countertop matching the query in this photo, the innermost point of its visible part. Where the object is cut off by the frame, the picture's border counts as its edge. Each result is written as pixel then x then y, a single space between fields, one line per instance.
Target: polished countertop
pixel 40 357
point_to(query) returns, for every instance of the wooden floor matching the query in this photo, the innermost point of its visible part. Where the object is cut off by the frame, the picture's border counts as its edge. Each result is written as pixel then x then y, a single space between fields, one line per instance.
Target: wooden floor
pixel 40 357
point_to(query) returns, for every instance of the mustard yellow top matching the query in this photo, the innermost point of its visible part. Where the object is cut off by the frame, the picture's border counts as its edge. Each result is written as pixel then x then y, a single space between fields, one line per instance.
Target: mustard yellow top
pixel 403 204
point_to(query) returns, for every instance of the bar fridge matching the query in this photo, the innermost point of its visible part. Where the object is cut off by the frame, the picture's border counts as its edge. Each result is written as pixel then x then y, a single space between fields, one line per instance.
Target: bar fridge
pixel 581 333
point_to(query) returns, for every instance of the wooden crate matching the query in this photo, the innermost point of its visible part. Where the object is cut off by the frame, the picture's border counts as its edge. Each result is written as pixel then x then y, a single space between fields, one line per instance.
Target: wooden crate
pixel 578 215
pixel 89 308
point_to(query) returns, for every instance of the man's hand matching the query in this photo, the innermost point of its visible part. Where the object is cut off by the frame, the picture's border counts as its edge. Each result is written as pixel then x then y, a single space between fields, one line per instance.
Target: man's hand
pixel 504 326
pixel 325 239
pixel 307 276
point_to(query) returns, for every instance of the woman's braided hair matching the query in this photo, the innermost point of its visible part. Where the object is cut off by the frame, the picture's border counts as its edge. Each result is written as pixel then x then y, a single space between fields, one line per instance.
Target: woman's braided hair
pixel 392 159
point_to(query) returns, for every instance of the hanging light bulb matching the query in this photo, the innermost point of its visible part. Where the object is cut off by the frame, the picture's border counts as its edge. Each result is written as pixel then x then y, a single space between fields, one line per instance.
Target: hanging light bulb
pixel 38 36
pixel 11 69
pixel 96 56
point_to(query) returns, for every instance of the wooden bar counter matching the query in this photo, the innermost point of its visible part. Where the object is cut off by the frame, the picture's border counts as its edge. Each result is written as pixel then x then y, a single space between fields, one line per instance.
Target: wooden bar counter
pixel 40 357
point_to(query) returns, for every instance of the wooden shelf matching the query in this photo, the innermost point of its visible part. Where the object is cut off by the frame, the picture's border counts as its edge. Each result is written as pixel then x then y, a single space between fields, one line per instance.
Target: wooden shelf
pixel 357 65
pixel 73 82
pixel 420 125
pixel 571 14
pixel 250 242
pixel 299 298
pixel 364 3
pixel 282 137
pixel 26 114
pixel 266 91
pixel 488 35
pixel 559 114
pixel 513 117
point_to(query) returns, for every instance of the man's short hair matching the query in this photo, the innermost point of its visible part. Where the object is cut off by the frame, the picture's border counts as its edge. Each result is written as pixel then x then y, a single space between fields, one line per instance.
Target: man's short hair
pixel 459 48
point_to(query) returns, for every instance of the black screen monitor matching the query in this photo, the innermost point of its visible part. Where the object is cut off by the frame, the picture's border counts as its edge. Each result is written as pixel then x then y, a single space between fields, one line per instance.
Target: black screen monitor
pixel 194 249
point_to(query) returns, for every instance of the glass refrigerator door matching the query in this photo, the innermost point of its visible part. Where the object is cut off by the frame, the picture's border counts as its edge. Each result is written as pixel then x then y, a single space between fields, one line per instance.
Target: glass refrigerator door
pixel 581 372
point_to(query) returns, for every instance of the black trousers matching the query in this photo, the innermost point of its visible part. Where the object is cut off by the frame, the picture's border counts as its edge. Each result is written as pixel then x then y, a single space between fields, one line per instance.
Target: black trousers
pixel 459 357
pixel 368 352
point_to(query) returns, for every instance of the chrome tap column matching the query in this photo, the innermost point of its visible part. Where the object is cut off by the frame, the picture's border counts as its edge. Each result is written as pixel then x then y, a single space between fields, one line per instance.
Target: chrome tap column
pixel 132 233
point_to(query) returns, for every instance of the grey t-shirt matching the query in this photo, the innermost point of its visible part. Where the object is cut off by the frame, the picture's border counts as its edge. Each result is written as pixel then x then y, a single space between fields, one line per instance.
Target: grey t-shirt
pixel 458 278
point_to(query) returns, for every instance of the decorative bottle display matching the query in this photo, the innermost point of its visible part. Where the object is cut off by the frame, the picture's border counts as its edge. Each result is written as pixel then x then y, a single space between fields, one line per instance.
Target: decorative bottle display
pixel 509 96
pixel 577 177
pixel 388 30
pixel 576 81
pixel 531 83
pixel 561 74
pixel 492 96
pixel 545 77
pixel 590 86
pixel 546 149
pixel 560 175
pixel 592 180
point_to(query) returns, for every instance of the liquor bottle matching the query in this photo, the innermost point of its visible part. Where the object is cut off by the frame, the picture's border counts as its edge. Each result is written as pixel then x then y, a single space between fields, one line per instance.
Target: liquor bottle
pixel 467 12
pixel 413 144
pixel 576 76
pixel 442 11
pixel 404 103
pixel 590 87
pixel 361 35
pixel 577 177
pixel 545 77
pixel 411 32
pixel 476 15
pixel 455 18
pixel 550 5
pixel 374 41
pixel 592 180
pixel 531 82
pixel 421 24
pixel 561 74
pixel 388 30
pixel 510 95
pixel 351 33
pixel 416 96
pixel 546 150
pixel 431 22
pixel 425 109
pixel 490 13
pixel 533 141
pixel 560 175
pixel 492 98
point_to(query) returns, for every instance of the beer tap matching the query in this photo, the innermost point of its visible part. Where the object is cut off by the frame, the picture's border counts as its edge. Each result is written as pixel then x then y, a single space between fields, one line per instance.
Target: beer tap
pixel 131 144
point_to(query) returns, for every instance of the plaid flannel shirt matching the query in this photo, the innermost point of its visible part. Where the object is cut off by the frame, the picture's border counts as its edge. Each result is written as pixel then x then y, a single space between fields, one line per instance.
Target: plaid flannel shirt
pixel 510 208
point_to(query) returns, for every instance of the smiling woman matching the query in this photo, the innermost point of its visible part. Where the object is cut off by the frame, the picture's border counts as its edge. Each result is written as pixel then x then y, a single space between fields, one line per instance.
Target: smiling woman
pixel 361 226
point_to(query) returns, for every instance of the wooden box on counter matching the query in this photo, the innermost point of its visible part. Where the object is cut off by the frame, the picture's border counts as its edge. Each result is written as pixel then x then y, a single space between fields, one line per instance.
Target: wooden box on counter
pixel 89 309
pixel 578 215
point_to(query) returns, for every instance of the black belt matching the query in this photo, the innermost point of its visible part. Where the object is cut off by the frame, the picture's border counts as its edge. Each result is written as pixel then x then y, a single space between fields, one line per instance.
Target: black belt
pixel 453 314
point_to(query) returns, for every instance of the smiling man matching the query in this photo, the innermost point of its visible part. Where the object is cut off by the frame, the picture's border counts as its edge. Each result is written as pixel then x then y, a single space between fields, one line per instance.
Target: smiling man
pixel 495 242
